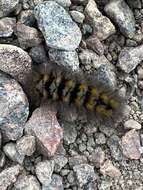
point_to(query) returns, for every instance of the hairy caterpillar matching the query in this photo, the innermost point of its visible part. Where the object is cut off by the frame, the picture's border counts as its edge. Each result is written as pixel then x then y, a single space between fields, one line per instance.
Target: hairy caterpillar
pixel 80 92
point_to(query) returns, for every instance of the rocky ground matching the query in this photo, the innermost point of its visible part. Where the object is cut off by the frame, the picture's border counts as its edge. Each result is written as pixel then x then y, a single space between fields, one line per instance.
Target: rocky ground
pixel 41 149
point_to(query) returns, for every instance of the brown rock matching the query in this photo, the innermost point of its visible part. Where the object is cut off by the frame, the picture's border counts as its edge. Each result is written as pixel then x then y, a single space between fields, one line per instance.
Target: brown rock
pixel 130 145
pixel 44 126
pixel 108 169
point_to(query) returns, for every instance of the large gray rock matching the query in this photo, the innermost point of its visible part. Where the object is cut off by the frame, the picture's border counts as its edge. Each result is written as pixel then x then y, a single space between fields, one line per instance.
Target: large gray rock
pixel 14 107
pixel 58 28
pixel 122 15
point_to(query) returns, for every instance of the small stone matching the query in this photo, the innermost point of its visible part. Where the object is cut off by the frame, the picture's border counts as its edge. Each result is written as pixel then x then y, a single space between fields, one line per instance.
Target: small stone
pixel 7 26
pixel 132 124
pixel 140 72
pixel 56 183
pixel 108 169
pixel 44 171
pixel 84 173
pixel 130 145
pixel 100 138
pixel 15 62
pixel 77 160
pixel 129 58
pixel 6 7
pixel 26 145
pixel 12 153
pixel 97 157
pixel 122 15
pixel 26 182
pixel 103 28
pixel 14 107
pixel 60 162
pixel 27 36
pixel 2 159
pixel 9 176
pixel 94 44
pixel 70 132
pixel 135 4
pixel 77 16
pixel 44 126
pixel 26 17
pixel 64 3
pixel 58 28
pixel 67 59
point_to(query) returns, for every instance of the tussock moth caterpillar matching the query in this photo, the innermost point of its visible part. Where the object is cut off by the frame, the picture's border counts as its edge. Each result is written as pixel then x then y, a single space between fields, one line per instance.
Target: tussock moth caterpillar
pixel 83 93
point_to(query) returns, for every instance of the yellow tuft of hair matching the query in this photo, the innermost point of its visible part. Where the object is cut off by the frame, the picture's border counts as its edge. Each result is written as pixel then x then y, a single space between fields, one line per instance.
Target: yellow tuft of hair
pixel 45 78
pixel 69 83
pixel 102 111
pixel 114 103
pixel 82 86
pixel 104 98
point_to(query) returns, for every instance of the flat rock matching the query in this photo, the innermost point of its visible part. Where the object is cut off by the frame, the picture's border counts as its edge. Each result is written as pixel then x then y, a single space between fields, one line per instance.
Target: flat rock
pixel 6 7
pixel 58 28
pixel 14 107
pixel 44 126
pixel 9 176
pixel 130 145
pixel 102 26
pixel 132 124
pixel 122 15
pixel 67 59
pixel 129 58
pixel 7 26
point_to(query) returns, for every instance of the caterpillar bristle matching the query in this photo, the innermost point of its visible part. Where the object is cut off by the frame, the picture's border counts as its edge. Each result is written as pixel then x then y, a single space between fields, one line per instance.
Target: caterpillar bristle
pixel 76 90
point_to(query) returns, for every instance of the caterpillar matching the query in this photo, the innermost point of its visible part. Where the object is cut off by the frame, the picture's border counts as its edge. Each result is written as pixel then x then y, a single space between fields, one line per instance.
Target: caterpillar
pixel 83 93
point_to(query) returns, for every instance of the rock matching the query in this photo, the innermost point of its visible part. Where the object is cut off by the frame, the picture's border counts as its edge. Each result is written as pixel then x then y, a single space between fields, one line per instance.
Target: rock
pixel 44 126
pixel 27 36
pixel 60 162
pixel 122 15
pixel 97 157
pixel 70 132
pixel 14 107
pixel 84 173
pixel 108 169
pixel 103 28
pixel 26 17
pixel 130 145
pixel 132 124
pixel 67 59
pixel 12 153
pixel 2 159
pixel 77 160
pixel 103 69
pixel 56 183
pixel 6 7
pixel 15 62
pixel 59 30
pixel 134 4
pixel 77 16
pixel 94 44
pixel 9 176
pixel 44 171
pixel 26 182
pixel 63 3
pixel 7 26
pixel 100 138
pixel 0 140
pixel 129 58
pixel 26 145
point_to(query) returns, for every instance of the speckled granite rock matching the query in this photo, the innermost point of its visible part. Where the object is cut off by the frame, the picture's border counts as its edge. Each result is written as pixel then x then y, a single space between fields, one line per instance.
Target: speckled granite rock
pixel 55 23
pixel 122 15
pixel 44 126
pixel 7 26
pixel 14 107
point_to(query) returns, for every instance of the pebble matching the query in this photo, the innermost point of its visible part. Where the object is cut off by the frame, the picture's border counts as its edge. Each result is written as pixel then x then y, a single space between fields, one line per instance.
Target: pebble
pixel 77 160
pixel 122 15
pixel 8 176
pixel 44 126
pixel 26 17
pixel 140 72
pixel 7 27
pixel 60 162
pixel 12 153
pixel 109 169
pixel 103 27
pixel 26 145
pixel 84 174
pixel 135 4
pixel 129 58
pixel 14 107
pixel 130 145
pixel 67 59
pixel 2 159
pixel 6 7
pixel 58 28
pixel 27 36
pixel 44 171
pixel 132 124
pixel 56 183
pixel 64 3
pixel 15 62
pixel 100 138
pixel 77 16
pixel 26 182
